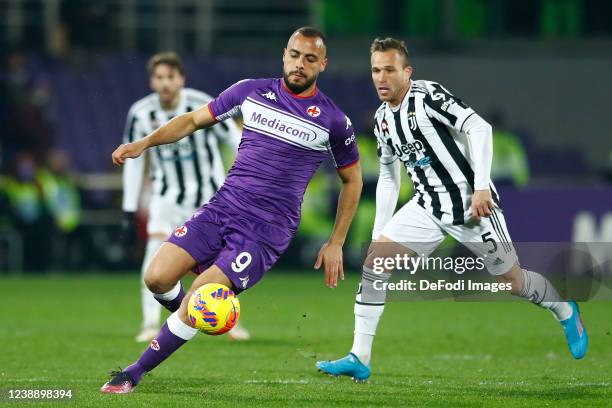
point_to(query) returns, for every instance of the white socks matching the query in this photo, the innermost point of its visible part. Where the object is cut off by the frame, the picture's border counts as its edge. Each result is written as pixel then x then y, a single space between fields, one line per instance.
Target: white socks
pixel 171 294
pixel 366 320
pixel 538 290
pixel 369 306
pixel 151 309
pixel 179 328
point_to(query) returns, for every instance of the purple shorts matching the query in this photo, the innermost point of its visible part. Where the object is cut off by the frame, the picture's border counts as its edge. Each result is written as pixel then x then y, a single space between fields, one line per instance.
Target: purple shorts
pixel 243 248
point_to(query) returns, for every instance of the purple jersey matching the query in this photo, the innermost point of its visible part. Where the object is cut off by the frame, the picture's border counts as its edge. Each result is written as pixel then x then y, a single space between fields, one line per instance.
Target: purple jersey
pixel 285 139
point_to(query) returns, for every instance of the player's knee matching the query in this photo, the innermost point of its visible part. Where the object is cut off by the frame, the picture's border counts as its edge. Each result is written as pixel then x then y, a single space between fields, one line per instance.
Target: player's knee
pixel 376 252
pixel 156 280
pixel 514 277
pixel 379 251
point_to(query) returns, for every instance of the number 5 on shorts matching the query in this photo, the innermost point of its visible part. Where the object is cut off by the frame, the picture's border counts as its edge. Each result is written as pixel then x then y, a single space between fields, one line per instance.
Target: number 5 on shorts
pixel 242 261
pixel 486 238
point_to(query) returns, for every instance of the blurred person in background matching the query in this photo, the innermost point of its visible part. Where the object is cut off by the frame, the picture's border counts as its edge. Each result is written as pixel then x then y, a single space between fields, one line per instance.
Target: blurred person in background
pixel 27 214
pixel 185 174
pixel 63 202
pixel 28 118
pixel 510 164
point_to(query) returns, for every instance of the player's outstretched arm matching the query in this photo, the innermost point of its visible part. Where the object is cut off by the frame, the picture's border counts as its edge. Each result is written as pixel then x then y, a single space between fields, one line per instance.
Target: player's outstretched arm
pixel 330 255
pixel 174 130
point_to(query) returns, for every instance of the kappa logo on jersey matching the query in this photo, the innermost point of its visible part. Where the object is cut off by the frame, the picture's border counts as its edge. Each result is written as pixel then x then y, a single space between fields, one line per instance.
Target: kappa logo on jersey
pixel 348 123
pixel 180 231
pixel 270 95
pixel 313 111
pixel 244 281
pixel 154 345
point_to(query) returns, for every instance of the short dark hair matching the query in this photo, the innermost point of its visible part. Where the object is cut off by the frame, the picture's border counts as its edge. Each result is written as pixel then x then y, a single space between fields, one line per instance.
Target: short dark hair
pixel 311 32
pixel 389 43
pixel 167 58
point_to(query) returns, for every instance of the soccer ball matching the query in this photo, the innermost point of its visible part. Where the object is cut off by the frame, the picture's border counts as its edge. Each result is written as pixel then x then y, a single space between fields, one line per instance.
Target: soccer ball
pixel 213 309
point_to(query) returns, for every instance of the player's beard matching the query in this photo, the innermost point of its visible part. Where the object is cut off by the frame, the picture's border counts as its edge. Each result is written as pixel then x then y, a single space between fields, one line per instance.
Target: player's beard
pixel 297 88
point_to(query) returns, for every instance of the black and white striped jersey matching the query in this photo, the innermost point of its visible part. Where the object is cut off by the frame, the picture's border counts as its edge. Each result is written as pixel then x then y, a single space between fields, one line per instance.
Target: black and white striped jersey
pixel 429 132
pixel 187 172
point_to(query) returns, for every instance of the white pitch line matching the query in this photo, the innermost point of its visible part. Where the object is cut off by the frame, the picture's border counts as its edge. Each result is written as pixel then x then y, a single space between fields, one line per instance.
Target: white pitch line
pixel 302 381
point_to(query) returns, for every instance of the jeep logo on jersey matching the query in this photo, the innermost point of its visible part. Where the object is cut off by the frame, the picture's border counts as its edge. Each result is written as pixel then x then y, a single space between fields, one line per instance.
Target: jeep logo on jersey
pixel 407 148
pixel 291 128
pixel 313 111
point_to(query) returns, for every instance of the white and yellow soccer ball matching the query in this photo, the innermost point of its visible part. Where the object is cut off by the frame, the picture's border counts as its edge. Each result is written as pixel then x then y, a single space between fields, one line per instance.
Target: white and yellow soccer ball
pixel 213 309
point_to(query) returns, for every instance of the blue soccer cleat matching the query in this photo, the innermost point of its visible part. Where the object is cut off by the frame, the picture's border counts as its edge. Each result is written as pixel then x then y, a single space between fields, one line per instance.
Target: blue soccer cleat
pixel 575 332
pixel 349 366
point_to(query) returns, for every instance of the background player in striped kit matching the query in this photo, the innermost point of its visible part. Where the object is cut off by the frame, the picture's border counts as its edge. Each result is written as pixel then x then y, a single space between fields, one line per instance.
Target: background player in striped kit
pixel 446 148
pixel 185 174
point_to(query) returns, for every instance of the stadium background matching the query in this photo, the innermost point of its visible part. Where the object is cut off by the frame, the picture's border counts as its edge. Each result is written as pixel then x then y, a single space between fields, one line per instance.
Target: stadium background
pixel 538 70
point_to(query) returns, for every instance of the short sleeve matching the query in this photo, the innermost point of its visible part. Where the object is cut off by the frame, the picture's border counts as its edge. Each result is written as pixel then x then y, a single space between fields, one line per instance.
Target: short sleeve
pixel 342 142
pixel 228 103
pixel 443 106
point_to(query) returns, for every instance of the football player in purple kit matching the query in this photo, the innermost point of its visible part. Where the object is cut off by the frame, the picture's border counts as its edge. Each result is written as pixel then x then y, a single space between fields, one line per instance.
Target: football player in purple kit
pixel 290 127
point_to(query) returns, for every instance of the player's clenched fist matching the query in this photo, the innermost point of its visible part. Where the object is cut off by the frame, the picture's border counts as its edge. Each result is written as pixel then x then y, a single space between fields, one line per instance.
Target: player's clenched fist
pixel 127 151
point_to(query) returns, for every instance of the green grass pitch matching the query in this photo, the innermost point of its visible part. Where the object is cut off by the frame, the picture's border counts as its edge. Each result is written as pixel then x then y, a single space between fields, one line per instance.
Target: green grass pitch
pixel 70 331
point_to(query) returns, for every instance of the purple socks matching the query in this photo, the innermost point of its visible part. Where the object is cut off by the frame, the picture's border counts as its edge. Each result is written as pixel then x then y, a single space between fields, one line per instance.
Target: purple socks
pixel 160 349
pixel 171 300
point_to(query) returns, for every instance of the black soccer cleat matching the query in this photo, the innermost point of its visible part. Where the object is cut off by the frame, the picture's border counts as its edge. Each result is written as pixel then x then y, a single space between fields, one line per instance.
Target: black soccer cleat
pixel 120 383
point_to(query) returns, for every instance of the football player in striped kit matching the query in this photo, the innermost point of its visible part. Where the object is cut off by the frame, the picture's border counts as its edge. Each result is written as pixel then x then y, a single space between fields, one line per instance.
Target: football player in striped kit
pixel 446 148
pixel 185 174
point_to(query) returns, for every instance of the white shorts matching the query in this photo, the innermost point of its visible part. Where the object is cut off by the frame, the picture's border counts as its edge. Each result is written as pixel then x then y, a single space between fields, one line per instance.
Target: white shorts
pixel 418 230
pixel 165 216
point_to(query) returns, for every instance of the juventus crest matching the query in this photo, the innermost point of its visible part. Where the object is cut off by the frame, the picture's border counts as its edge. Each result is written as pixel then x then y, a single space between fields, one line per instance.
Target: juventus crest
pixel 412 123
